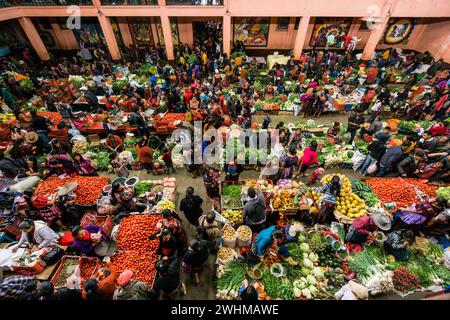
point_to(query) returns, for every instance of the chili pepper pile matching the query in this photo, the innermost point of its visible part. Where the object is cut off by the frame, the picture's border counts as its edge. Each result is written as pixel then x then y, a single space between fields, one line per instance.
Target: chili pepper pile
pixel 399 190
pixel 87 192
pixel 404 281
pixel 87 268
pixel 138 252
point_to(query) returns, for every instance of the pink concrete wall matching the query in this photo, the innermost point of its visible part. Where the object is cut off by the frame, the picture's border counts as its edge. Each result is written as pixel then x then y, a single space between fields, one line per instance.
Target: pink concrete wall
pixel 435 38
pixel 65 39
pixel 281 39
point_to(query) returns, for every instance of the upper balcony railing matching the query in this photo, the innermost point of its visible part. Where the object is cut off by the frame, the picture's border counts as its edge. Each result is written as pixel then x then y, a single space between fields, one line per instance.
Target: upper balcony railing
pixel 129 2
pixel 194 2
pixel 15 3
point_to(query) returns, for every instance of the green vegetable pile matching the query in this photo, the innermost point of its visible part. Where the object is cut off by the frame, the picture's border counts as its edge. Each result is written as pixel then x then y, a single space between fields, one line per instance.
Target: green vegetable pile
pixel 317 242
pixel 119 84
pixel 192 59
pixel 272 285
pixel 365 192
pixel 231 279
pixel 362 146
pixel 232 191
pixel 103 161
pixel 443 192
pixel 26 84
pixel 142 187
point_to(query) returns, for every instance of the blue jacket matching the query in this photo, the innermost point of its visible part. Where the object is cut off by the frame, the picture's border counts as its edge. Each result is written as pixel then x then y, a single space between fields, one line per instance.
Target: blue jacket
pixel 264 240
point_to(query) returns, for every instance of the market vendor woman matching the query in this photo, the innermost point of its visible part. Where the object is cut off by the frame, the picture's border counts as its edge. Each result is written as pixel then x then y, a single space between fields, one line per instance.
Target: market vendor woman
pixel 362 227
pixel 420 213
pixel 36 232
pixel 86 238
pixel 271 240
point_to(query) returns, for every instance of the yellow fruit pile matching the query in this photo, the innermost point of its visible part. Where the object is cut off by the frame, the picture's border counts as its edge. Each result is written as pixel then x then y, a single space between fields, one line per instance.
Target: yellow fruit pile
pixel 234 216
pixel 283 199
pixel 6 117
pixel 166 204
pixel 351 205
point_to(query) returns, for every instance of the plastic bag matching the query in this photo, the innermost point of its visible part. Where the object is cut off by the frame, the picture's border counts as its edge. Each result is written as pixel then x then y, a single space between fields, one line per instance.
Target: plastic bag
pixel 372 168
pixel 357 160
pixel 53 256
pixel 277 270
pixel 25 184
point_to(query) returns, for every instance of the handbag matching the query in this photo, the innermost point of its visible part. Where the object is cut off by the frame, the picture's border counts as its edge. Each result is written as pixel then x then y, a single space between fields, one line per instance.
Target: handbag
pixel 53 256
pixel 372 168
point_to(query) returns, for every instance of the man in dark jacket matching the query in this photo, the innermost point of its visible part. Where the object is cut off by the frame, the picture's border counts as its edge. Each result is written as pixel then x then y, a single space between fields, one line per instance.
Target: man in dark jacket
pixel 91 98
pixel 377 149
pixel 390 158
pixel 255 210
pixel 355 120
pixel 136 120
pixel 169 280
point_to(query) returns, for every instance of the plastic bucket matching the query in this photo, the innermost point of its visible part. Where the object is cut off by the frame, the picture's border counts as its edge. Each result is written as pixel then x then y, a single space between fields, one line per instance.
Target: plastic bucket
pixel 106 191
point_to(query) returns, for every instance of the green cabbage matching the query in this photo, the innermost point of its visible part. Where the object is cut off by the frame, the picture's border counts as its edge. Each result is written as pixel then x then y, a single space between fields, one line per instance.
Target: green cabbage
pixel 304 247
pixel 311 280
pixel 308 263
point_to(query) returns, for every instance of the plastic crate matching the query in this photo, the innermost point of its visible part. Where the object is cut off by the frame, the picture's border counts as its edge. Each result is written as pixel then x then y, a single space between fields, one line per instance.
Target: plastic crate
pixel 94 140
pixel 80 261
pixel 105 222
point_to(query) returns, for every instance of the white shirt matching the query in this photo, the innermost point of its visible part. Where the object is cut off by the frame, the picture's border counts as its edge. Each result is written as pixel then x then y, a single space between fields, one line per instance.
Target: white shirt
pixel 377 106
pixel 98 80
pixel 134 84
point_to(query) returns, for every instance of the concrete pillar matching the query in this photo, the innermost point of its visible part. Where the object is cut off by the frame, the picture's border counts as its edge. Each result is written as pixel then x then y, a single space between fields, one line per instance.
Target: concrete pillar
pixel 34 38
pixel 168 41
pixel 110 38
pixel 125 31
pixel 444 50
pixel 301 36
pixel 227 34
pixel 377 32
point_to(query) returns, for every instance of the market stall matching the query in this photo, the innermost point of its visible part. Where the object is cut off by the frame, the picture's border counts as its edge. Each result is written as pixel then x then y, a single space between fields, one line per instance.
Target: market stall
pixel 166 123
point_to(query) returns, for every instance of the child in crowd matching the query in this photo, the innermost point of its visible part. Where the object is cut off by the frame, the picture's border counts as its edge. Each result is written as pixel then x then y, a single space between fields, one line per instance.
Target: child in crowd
pixel 315 175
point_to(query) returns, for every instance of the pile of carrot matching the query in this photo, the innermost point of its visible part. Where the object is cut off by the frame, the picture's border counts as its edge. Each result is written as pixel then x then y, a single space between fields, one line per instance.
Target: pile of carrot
pixel 138 253
pixel 399 190
pixel 87 192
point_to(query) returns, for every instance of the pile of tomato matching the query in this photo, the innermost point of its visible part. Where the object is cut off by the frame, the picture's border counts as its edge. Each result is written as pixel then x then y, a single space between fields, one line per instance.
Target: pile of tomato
pixel 399 190
pixel 54 117
pixel 137 252
pixel 87 192
pixel 87 268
